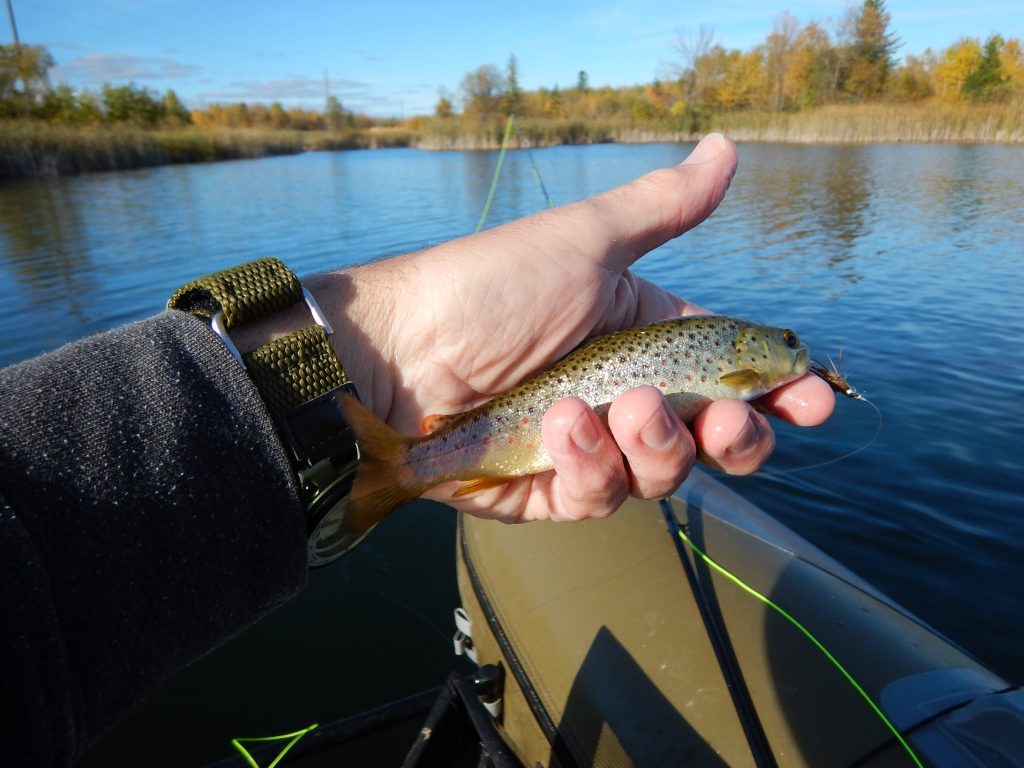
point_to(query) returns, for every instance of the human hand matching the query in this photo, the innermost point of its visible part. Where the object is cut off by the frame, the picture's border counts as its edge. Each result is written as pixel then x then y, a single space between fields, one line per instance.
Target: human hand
pixel 442 330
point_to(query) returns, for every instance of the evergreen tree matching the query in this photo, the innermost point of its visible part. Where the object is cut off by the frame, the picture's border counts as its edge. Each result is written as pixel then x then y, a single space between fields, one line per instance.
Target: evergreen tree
pixel 871 55
pixel 513 97
pixel 985 80
pixel 334 115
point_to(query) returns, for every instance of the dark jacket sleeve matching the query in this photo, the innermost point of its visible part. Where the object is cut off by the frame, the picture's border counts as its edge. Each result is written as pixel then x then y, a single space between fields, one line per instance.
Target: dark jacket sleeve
pixel 147 514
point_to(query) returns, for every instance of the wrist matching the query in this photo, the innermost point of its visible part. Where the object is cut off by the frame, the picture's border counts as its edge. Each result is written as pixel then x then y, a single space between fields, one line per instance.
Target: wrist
pixel 285 347
pixel 360 305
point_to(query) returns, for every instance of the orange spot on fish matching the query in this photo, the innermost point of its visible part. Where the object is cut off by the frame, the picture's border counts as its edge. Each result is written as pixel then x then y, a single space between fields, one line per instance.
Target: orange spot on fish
pixel 662 384
pixel 525 420
pixel 511 441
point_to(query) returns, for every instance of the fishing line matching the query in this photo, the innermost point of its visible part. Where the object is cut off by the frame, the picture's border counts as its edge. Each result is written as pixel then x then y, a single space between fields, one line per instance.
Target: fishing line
pixel 294 736
pixel 878 429
pixel 533 167
pixel 666 509
pixel 757 740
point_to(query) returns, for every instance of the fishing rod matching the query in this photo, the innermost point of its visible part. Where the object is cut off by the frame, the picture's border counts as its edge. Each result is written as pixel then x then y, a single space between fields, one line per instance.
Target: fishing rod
pixel 730 669
pixel 757 740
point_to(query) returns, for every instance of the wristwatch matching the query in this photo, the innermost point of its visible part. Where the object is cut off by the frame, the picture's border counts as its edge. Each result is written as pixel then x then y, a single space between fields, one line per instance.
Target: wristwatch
pixel 301 381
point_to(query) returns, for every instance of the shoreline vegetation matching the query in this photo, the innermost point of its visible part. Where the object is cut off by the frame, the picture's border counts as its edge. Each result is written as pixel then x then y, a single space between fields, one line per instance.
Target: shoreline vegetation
pixel 32 148
pixel 834 83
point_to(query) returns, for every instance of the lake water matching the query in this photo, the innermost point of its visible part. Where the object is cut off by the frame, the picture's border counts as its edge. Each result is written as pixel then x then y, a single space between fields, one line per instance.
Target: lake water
pixel 910 258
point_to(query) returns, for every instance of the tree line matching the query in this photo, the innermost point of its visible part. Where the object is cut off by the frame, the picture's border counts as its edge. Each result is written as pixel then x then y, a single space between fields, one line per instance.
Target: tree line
pixel 26 92
pixel 796 67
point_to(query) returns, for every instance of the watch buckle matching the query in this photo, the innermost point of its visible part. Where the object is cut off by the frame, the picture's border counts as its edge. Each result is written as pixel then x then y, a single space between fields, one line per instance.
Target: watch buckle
pixel 218 326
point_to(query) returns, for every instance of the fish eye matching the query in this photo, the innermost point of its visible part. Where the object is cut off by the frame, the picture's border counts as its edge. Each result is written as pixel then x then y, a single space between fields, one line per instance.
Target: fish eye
pixel 791 339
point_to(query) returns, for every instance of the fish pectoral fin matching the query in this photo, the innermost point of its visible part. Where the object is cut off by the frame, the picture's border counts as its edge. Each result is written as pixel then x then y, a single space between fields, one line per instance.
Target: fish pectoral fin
pixel 435 421
pixel 745 378
pixel 475 484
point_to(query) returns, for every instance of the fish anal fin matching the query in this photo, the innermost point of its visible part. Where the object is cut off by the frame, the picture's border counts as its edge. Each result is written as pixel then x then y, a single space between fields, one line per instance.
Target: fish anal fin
pixel 474 484
pixel 743 379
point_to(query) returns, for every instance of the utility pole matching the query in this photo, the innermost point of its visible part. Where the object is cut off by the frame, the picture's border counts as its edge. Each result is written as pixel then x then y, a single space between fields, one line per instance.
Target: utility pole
pixel 14 27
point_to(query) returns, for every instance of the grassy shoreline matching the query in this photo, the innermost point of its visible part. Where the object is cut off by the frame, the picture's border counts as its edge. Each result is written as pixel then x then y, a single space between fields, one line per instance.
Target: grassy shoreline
pixel 33 149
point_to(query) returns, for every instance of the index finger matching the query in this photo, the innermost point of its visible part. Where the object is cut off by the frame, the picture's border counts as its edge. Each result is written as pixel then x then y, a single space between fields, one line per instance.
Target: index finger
pixel 806 402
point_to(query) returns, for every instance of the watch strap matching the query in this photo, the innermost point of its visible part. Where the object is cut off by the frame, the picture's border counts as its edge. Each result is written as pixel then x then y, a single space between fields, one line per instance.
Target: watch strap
pixel 250 291
pixel 295 369
pixel 288 371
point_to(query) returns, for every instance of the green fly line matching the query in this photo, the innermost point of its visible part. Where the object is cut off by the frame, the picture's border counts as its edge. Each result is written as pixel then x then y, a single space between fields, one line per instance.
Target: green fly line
pixel 293 739
pixel 810 636
pixel 509 125
pixel 497 173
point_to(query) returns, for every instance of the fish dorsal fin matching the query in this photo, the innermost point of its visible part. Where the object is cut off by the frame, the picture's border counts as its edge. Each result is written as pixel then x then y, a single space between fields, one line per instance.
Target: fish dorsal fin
pixel 475 484
pixel 743 379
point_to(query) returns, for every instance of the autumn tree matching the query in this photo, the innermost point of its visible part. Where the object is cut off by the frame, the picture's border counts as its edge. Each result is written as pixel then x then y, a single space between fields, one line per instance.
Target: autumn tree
pixel 694 49
pixel 444 107
pixel 954 67
pixel 277 117
pixel 1011 64
pixel 731 79
pixel 814 67
pixel 871 55
pixel 24 78
pixel 914 79
pixel 481 92
pixel 779 53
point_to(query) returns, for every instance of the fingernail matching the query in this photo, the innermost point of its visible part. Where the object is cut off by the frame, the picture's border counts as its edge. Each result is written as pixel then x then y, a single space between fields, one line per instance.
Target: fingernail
pixel 708 149
pixel 745 439
pixel 660 432
pixel 584 434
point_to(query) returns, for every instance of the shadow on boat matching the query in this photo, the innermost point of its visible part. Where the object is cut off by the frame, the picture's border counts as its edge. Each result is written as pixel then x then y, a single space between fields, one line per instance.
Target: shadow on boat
pixel 594 648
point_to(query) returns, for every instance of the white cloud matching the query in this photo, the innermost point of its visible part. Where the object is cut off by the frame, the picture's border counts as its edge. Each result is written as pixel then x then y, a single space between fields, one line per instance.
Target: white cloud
pixel 108 67
pixel 286 89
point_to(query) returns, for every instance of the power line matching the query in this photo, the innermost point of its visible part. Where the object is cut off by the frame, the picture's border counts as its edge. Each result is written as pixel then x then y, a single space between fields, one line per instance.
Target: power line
pixel 14 27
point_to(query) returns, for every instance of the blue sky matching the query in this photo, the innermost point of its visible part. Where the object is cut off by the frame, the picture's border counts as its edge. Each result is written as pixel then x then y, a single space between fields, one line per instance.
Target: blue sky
pixel 389 58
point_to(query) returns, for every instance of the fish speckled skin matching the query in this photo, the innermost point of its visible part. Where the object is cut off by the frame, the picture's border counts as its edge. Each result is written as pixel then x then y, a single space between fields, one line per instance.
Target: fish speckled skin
pixel 692 360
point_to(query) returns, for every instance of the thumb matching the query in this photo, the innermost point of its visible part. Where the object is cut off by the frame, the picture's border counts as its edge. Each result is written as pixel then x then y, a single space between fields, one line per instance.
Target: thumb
pixel 628 221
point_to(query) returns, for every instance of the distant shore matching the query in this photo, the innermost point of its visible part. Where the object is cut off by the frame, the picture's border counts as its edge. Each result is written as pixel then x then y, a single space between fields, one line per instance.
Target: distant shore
pixel 37 149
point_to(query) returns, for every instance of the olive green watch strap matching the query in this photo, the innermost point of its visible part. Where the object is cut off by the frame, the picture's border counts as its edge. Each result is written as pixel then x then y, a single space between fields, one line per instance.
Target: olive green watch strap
pixel 288 371
pixel 295 369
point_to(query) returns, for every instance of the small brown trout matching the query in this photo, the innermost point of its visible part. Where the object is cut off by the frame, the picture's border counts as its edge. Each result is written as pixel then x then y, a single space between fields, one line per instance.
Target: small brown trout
pixel 692 360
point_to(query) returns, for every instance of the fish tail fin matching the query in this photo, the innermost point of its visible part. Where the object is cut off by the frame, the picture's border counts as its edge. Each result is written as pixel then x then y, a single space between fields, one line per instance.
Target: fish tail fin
pixel 384 480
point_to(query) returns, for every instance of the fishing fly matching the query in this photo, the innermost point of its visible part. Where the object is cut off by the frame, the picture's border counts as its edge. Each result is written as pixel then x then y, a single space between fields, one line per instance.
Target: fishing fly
pixel 834 377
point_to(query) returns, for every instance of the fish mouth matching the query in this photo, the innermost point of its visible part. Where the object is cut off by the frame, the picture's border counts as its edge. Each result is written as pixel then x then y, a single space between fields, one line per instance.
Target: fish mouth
pixel 803 361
